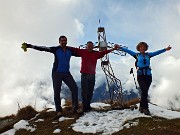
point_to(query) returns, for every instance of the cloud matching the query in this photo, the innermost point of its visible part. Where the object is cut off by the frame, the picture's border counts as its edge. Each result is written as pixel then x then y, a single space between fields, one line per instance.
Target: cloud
pixel 42 22
pixel 22 73
pixel 149 21
pixel 166 91
pixel 80 27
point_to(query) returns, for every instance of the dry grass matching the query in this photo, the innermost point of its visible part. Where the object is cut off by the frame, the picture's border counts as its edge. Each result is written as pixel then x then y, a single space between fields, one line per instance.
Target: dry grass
pixel 68 103
pixel 146 126
pixel 26 113
pixel 47 126
pixel 8 117
pixel 124 105
pixel 7 123
pixel 132 102
pixel 153 126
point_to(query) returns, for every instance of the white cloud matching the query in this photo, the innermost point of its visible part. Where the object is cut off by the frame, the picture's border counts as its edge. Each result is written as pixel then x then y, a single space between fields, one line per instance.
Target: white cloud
pixel 38 23
pixel 166 92
pixel 79 26
pixel 42 22
pixel 178 7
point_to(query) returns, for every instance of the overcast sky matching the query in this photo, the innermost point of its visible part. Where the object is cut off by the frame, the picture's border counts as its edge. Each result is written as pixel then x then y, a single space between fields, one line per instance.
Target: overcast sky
pixel 23 75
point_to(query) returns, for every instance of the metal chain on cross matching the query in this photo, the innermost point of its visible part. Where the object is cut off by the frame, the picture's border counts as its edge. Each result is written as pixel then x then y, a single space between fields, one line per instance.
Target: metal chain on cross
pixel 114 84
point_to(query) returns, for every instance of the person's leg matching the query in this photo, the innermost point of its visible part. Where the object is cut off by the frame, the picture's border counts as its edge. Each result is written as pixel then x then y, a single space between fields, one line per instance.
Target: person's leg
pixel 84 88
pixel 57 82
pixel 144 83
pixel 148 81
pixel 144 91
pixel 70 82
pixel 91 83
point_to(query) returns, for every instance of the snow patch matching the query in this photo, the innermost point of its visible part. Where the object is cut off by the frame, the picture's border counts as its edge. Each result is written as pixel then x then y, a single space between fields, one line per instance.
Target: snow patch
pixel 64 118
pixel 39 120
pixel 115 120
pixel 99 105
pixel 35 116
pixel 105 122
pixel 22 124
pixel 54 122
pixel 9 132
pixel 57 130
pixel 162 112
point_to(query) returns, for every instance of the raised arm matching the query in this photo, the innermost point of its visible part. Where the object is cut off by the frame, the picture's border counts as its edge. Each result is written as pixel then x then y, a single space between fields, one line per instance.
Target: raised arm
pixel 128 51
pixel 76 51
pixel 39 48
pixel 152 54
pixel 101 54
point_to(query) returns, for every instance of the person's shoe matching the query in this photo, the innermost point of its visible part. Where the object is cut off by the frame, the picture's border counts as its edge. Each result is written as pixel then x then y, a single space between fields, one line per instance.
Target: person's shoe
pixel 78 111
pixel 89 109
pixel 146 112
pixel 59 114
pixel 141 109
pixel 85 110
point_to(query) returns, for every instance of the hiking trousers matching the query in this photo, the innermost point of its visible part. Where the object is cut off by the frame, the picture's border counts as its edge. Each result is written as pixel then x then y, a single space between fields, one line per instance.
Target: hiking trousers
pixel 68 79
pixel 87 86
pixel 144 83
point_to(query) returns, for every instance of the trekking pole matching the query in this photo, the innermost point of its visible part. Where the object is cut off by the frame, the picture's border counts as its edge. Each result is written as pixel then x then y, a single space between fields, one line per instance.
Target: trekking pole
pixel 138 88
pixel 131 72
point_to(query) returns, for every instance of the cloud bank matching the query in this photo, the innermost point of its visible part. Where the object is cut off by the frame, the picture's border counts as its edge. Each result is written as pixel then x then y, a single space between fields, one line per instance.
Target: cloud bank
pixel 26 77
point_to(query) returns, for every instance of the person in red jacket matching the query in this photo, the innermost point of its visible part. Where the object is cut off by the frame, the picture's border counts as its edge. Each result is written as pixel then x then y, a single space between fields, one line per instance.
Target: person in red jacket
pixel 88 66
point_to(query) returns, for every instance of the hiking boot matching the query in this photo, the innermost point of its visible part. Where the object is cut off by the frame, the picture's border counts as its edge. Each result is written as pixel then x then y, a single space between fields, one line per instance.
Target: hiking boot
pixel 59 114
pixel 78 111
pixel 146 112
pixel 141 109
pixel 87 109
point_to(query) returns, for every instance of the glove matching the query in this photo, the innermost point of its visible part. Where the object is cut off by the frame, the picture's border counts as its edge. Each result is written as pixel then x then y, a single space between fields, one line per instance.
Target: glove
pixel 24 46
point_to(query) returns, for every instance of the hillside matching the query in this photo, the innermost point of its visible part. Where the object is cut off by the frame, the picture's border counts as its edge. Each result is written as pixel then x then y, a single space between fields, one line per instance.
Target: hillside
pixel 101 120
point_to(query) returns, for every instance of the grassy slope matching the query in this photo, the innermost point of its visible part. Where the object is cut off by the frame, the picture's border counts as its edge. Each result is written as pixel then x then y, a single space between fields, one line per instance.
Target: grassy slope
pixel 146 126
pixel 153 126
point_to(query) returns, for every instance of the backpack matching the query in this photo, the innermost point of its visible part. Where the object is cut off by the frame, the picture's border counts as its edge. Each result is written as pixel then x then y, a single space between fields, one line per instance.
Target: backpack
pixel 136 57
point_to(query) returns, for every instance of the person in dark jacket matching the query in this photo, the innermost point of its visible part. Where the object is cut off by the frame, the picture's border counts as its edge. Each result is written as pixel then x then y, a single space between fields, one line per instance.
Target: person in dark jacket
pixel 60 71
pixel 88 66
pixel 144 75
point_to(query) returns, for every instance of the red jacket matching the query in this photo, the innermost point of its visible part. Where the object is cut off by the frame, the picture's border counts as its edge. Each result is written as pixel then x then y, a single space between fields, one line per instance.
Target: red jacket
pixel 89 59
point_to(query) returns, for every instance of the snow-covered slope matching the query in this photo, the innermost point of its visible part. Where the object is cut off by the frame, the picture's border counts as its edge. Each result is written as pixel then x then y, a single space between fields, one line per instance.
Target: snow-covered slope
pixel 113 121
pixel 102 122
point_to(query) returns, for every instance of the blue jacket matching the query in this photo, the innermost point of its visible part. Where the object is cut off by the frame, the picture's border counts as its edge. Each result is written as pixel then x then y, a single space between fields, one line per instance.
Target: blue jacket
pixel 61 57
pixel 143 61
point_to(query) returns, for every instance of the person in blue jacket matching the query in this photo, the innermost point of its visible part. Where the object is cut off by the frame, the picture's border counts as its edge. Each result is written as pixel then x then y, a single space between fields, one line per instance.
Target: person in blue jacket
pixel 144 76
pixel 60 71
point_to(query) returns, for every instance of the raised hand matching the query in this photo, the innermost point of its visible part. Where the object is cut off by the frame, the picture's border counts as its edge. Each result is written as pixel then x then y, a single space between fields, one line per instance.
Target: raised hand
pixel 24 46
pixel 116 47
pixel 168 48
